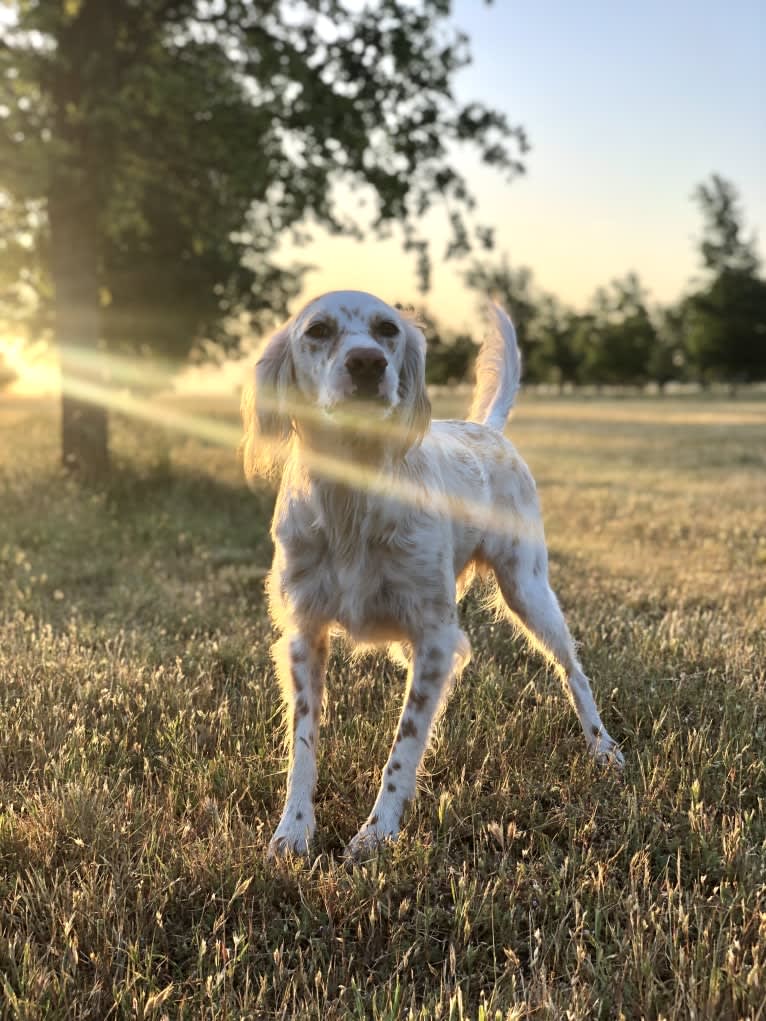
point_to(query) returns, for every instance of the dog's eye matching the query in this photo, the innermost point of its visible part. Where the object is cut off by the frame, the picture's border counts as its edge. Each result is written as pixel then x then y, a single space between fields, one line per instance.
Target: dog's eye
pixel 318 330
pixel 387 328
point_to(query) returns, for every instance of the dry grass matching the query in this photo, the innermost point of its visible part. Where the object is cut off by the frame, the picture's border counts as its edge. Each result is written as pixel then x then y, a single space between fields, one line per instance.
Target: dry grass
pixel 141 771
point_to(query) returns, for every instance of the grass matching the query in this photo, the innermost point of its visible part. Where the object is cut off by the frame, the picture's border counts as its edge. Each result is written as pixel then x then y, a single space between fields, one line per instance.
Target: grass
pixel 141 771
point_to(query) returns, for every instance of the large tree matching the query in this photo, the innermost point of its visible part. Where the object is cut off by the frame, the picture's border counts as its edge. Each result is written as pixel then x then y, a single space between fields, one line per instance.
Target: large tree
pixel 725 320
pixel 154 152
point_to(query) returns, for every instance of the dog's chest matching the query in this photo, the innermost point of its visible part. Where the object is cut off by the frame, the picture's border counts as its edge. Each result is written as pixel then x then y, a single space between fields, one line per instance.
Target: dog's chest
pixel 353 577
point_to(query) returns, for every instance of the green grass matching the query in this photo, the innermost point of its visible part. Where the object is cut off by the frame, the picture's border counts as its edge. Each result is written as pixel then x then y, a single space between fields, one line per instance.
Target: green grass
pixel 141 771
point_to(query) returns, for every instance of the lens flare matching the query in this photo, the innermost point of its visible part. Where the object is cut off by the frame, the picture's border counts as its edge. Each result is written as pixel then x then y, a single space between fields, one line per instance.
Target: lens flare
pixel 109 380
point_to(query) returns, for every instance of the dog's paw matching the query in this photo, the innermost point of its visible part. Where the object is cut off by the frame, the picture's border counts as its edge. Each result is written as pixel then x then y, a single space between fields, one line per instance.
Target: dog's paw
pixel 293 835
pixel 366 842
pixel 606 752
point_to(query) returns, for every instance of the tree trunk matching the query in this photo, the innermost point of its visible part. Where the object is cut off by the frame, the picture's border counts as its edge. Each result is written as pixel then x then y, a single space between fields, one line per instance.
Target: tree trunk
pixel 84 428
pixel 74 202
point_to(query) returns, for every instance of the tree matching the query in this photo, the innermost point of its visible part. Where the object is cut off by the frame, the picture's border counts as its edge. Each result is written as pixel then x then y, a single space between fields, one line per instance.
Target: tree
pixel 726 329
pixel 154 153
pixel 722 246
pixel 554 356
pixel 667 360
pixel 617 337
pixel 725 320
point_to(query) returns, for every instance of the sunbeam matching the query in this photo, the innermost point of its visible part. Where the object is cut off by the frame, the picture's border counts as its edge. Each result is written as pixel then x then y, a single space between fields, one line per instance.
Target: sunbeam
pixel 391 481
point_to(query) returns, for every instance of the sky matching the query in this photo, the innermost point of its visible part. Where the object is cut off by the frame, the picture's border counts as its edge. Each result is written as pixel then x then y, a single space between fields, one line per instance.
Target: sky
pixel 628 106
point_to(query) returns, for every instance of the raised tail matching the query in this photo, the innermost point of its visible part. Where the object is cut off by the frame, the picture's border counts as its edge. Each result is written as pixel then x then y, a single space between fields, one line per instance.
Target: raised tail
pixel 498 373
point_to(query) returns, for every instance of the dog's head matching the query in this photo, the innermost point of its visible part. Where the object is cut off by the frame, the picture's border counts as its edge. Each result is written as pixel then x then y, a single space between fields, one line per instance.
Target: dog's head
pixel 347 368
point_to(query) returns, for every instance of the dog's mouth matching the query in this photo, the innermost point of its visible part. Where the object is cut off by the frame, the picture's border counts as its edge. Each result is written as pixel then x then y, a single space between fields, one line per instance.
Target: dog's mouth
pixel 356 412
pixel 367 426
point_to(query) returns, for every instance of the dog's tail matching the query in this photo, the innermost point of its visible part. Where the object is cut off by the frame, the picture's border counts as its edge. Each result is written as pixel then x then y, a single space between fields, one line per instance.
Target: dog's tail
pixel 498 372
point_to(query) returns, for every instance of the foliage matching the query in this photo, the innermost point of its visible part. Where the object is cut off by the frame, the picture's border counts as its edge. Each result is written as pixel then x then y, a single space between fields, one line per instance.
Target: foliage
pixel 612 342
pixel 554 357
pixel 667 362
pixel 726 319
pixel 617 337
pixel 142 770
pixel 192 136
pixel 722 246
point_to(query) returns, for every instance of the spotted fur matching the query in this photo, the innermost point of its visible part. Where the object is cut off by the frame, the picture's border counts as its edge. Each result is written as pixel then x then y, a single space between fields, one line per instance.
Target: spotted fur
pixel 383 519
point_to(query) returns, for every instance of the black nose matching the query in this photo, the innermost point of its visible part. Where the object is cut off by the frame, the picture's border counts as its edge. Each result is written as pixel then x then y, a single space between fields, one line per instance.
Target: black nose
pixel 366 366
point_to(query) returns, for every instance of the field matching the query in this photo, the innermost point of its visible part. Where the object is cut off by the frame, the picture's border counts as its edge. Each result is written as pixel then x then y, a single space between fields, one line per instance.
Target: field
pixel 141 768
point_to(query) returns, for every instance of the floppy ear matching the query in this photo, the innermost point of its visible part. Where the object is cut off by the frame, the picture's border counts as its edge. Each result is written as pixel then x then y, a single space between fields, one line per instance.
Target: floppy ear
pixel 265 415
pixel 414 406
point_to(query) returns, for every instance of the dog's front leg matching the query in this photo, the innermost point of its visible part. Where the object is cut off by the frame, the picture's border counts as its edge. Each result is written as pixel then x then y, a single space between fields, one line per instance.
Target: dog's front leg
pixel 301 659
pixel 438 658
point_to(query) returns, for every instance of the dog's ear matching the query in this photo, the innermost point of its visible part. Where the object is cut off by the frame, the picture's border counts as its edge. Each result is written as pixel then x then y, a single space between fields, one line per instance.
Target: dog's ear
pixel 414 406
pixel 265 413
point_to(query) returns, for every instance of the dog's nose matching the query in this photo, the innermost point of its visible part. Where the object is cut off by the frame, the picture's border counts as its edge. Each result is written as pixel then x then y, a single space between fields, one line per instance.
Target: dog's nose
pixel 366 367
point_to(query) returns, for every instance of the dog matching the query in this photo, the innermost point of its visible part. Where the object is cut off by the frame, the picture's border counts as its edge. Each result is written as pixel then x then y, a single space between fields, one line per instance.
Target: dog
pixel 383 519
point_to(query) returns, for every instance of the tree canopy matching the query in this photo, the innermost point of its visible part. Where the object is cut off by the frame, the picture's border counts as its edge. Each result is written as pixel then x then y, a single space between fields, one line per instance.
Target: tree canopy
pixel 194 137
pixel 725 320
pixel 153 154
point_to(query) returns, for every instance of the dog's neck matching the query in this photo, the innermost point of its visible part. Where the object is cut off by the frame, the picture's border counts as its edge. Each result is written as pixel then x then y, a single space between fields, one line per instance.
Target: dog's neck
pixel 335 456
pixel 354 496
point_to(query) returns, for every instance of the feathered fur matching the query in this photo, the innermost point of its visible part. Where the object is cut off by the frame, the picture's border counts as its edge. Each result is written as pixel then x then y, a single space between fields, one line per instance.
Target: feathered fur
pixel 498 373
pixel 383 518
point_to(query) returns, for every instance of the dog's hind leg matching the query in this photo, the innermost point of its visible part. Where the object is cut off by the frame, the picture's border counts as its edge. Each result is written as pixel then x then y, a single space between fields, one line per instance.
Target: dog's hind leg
pixel 301 661
pixel 438 657
pixel 521 570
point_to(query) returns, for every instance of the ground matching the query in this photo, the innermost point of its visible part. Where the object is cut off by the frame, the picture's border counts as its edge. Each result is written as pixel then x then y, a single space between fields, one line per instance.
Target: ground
pixel 141 767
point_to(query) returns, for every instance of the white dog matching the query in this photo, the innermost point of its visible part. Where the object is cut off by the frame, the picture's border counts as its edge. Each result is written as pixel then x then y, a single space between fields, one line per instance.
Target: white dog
pixel 382 521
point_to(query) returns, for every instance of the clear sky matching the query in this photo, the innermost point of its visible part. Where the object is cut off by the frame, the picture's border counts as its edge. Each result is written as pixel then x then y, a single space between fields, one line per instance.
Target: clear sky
pixel 628 106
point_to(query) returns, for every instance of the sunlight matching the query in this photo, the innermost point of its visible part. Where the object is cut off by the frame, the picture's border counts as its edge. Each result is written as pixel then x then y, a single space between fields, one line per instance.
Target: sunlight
pixel 35 367
pixel 201 427
pixel 91 376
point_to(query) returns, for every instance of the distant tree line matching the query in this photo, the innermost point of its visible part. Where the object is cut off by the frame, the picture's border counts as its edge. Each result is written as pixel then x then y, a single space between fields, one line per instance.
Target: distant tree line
pixel 715 333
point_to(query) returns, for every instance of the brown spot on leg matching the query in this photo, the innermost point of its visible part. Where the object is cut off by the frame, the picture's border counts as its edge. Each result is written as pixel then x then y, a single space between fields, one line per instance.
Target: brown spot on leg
pixel 299 816
pixel 301 708
pixel 396 765
pixel 372 820
pixel 417 699
pixel 391 787
pixel 596 730
pixel 431 676
pixel 408 729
